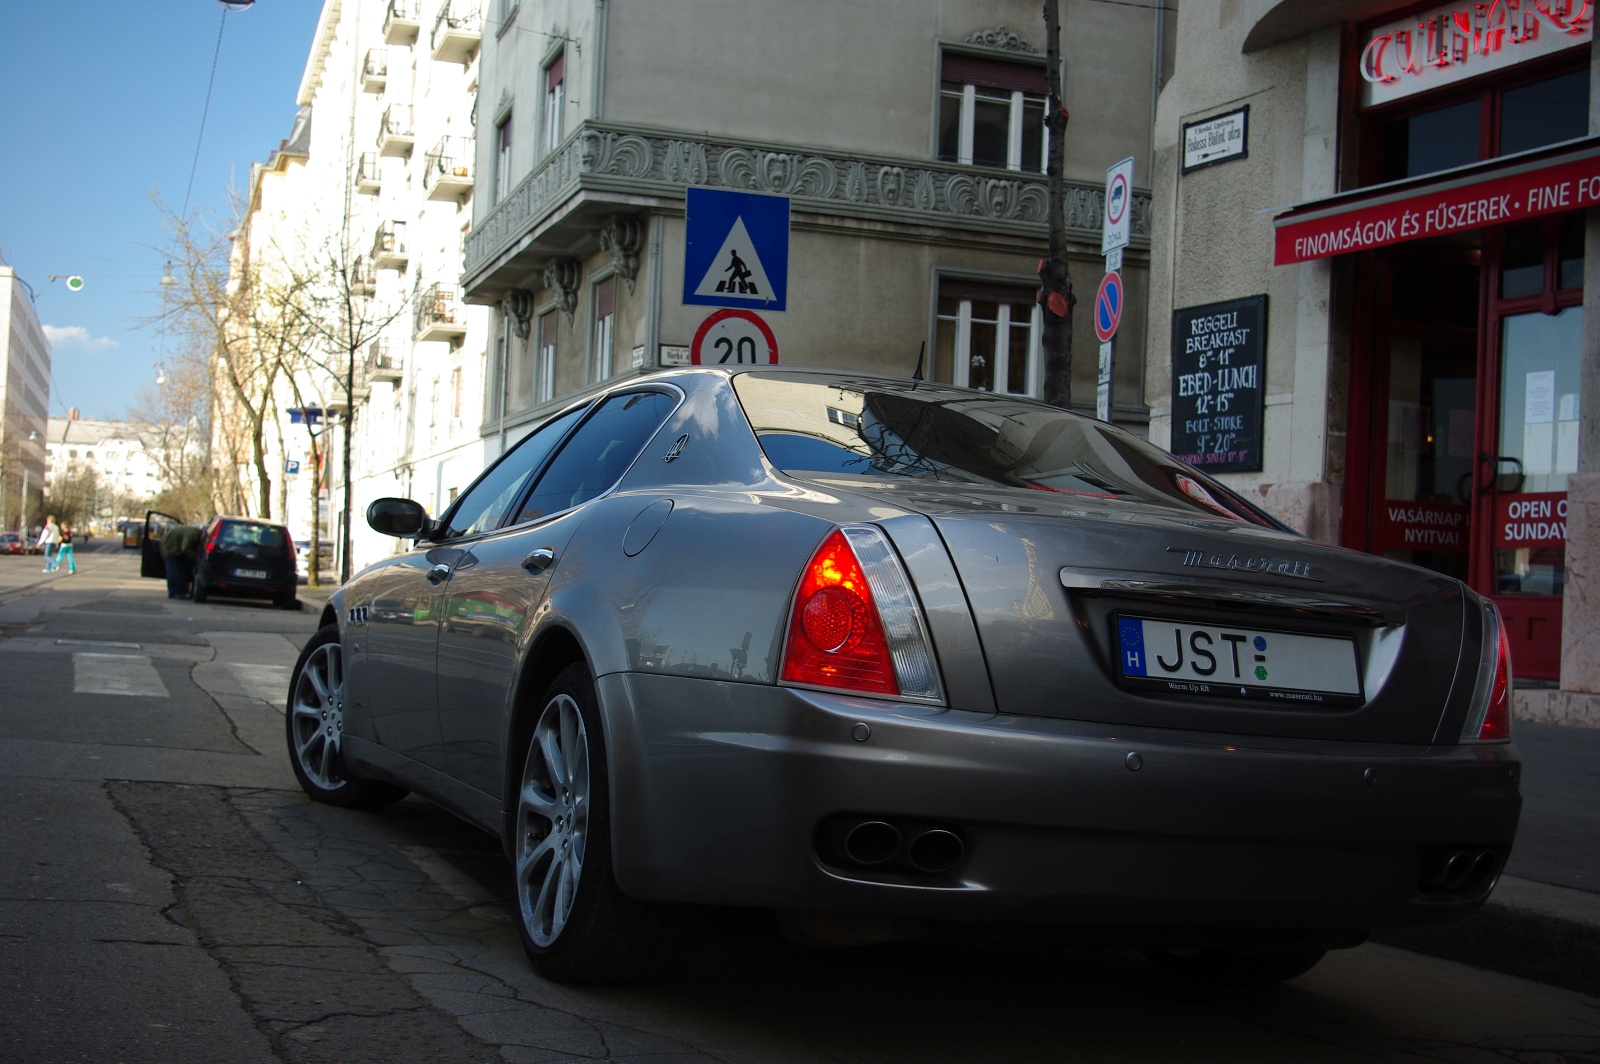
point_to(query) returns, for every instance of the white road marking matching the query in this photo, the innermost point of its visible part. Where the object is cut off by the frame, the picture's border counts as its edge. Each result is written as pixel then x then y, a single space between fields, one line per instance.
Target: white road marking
pixel 116 674
pixel 268 683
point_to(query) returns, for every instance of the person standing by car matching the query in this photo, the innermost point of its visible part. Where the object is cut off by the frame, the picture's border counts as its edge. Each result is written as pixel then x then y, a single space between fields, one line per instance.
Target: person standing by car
pixel 64 552
pixel 178 548
pixel 49 540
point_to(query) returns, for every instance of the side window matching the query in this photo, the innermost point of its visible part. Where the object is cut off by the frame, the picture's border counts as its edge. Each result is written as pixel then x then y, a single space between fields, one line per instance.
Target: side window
pixel 487 501
pixel 599 452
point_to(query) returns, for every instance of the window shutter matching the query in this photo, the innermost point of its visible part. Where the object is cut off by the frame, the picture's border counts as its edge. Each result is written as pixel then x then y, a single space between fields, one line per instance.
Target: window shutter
pixel 955 288
pixel 995 73
pixel 547 331
pixel 556 71
pixel 605 298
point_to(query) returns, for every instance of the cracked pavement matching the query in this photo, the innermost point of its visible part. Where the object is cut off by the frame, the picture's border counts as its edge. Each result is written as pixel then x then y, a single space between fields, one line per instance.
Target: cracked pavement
pixel 170 895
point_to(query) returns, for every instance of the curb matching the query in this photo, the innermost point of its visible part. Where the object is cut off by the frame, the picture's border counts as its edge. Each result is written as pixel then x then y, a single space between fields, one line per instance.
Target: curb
pixel 1533 930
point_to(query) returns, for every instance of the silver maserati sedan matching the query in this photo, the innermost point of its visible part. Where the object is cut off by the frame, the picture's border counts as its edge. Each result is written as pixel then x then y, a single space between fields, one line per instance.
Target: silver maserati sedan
pixel 891 658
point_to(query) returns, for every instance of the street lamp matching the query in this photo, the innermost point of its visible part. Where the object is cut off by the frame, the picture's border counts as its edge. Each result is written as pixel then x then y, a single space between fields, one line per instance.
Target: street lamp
pixel 167 280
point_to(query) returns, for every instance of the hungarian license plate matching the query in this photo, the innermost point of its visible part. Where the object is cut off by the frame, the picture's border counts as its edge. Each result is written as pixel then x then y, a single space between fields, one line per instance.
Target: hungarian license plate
pixel 250 574
pixel 1182 658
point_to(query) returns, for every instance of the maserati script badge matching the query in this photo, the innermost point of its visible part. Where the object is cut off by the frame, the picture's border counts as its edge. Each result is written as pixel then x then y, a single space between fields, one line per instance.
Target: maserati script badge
pixel 1193 558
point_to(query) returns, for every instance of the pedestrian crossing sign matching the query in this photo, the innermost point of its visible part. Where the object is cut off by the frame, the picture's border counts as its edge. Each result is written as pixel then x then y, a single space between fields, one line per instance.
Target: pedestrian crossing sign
pixel 736 250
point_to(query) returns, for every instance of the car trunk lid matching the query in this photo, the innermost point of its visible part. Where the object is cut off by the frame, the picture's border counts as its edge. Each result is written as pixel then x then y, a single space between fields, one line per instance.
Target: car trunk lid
pixel 1049 575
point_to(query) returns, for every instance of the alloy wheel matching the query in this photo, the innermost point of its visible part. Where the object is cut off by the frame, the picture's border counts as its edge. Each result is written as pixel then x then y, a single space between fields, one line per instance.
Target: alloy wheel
pixel 552 820
pixel 317 716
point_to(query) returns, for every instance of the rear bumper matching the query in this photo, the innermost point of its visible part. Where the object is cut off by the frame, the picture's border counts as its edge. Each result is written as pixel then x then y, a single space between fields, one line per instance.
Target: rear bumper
pixel 719 790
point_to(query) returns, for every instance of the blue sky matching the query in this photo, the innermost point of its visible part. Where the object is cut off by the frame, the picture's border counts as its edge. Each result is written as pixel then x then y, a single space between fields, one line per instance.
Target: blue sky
pixel 103 105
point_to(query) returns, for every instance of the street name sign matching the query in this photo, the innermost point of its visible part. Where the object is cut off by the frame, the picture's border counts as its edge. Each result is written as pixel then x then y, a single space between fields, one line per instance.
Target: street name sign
pixel 736 249
pixel 1216 140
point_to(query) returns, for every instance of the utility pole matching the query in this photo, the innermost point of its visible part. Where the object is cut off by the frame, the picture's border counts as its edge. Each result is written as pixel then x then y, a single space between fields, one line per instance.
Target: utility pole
pixel 1056 293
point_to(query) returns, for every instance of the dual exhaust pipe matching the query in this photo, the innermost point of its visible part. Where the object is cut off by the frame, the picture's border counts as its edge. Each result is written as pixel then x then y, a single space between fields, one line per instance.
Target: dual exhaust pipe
pixel 1454 871
pixel 890 845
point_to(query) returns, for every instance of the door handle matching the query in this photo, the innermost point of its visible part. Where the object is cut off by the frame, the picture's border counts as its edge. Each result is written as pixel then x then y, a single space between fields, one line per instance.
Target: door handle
pixel 539 560
pixel 438 574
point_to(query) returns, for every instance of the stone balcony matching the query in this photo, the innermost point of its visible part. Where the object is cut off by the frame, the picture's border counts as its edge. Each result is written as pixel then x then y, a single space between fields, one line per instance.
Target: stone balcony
pixel 620 164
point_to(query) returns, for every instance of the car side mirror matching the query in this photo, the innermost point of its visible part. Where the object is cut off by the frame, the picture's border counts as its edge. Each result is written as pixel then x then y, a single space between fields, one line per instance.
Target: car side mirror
pixel 399 517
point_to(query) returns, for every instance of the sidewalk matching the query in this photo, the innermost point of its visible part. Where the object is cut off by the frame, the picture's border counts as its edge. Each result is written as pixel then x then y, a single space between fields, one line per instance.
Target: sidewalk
pixel 1543 919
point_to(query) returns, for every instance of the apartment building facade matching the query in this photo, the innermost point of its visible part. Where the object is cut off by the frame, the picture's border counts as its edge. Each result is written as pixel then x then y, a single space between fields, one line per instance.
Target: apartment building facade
pixel 24 403
pixel 906 138
pixel 116 451
pixel 370 200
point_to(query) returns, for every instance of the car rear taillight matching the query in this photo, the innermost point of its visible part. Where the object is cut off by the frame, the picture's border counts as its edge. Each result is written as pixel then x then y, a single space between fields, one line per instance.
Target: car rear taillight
pixel 211 540
pixel 855 625
pixel 1489 718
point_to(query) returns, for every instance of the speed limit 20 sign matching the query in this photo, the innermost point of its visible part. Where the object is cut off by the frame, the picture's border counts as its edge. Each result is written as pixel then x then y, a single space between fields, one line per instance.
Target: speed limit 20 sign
pixel 734 337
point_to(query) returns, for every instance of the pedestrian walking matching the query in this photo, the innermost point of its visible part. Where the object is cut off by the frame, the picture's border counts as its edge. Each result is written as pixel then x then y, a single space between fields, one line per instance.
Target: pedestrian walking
pixel 179 545
pixel 64 552
pixel 49 540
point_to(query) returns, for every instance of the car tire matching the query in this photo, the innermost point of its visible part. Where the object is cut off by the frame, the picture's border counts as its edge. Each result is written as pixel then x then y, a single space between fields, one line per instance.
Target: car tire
pixel 577 925
pixel 286 601
pixel 199 592
pixel 1222 967
pixel 315 729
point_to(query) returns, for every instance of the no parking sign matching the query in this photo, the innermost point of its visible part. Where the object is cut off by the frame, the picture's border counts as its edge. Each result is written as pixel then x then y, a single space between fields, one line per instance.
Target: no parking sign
pixel 1108 306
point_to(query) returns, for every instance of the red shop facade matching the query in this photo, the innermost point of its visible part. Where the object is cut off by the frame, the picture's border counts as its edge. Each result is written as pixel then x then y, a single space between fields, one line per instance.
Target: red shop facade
pixel 1466 235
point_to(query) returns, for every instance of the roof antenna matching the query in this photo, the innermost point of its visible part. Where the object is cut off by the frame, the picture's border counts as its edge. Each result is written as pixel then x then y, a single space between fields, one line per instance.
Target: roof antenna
pixel 917 376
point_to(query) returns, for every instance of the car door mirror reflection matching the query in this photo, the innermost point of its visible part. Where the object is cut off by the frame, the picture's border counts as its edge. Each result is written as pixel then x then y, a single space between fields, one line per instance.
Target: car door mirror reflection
pixel 398 517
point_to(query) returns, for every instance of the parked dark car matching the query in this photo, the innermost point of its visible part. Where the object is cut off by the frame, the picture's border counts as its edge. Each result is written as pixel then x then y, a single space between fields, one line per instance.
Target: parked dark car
pixel 245 557
pixel 881 655
pixel 12 543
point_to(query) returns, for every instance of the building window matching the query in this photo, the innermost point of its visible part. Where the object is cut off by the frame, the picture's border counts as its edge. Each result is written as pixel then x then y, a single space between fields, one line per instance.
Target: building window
pixel 545 375
pixel 988 338
pixel 1409 141
pixel 555 100
pixel 605 305
pixel 502 158
pixel 991 113
pixel 455 393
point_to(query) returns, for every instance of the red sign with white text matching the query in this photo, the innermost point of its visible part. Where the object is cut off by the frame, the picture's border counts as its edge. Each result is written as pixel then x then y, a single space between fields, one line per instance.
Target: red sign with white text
pixel 1530 519
pixel 1564 183
pixel 1404 525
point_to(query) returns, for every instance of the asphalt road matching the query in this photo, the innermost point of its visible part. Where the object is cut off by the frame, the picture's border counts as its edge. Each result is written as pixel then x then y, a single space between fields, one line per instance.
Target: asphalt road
pixel 169 896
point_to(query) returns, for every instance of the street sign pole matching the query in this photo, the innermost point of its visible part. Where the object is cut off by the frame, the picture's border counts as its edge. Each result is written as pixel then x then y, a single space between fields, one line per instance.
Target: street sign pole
pixel 1115 230
pixel 1102 391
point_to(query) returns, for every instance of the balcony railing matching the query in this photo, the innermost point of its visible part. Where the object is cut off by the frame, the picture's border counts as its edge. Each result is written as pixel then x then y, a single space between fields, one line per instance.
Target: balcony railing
pixel 389 246
pixel 402 22
pixel 368 181
pixel 440 314
pixel 382 366
pixel 447 173
pixel 363 276
pixel 457 31
pixel 394 131
pixel 375 70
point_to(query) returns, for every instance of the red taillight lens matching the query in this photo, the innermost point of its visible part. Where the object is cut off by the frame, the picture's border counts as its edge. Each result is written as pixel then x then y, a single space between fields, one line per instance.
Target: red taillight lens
pixel 835 635
pixel 1497 720
pixel 211 540
pixel 1489 716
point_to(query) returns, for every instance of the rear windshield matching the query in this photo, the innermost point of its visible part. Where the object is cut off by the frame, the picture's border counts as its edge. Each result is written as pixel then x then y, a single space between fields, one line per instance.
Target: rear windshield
pixel 245 534
pixel 886 428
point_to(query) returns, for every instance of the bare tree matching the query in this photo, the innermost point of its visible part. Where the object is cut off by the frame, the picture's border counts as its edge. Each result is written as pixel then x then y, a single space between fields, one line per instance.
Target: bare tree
pixel 1057 291
pixel 174 422
pixel 210 307
pixel 346 320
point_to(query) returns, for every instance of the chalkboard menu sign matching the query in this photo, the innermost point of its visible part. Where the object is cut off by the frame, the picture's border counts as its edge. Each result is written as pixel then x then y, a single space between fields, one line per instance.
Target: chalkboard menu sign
pixel 1218 381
